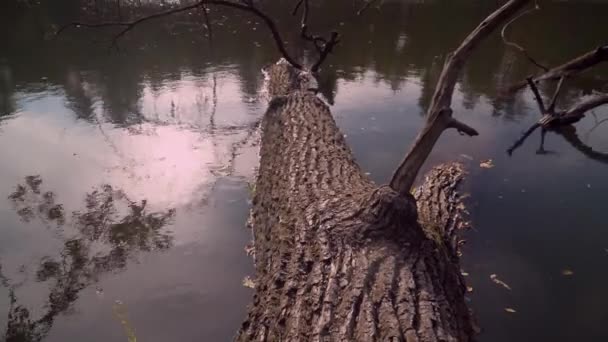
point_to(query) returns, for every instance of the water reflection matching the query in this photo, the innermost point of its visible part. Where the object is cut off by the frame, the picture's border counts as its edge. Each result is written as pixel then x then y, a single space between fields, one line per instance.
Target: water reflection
pixel 398 41
pixel 99 239
pixel 171 122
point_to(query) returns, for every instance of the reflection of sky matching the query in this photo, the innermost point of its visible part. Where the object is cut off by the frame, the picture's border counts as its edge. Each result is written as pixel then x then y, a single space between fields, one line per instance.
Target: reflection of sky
pixel 167 161
pixel 185 154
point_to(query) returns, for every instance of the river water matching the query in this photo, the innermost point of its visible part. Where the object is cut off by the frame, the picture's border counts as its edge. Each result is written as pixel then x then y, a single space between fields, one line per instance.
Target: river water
pixel 125 173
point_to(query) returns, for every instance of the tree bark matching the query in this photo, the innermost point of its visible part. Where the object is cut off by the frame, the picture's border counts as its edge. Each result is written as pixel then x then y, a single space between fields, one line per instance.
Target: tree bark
pixel 337 257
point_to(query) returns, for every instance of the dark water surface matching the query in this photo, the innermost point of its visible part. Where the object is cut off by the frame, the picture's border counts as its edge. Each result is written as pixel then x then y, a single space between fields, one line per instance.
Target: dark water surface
pixel 124 175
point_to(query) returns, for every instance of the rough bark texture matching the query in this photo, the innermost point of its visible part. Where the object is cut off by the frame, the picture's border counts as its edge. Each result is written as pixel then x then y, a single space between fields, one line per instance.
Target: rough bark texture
pixel 339 258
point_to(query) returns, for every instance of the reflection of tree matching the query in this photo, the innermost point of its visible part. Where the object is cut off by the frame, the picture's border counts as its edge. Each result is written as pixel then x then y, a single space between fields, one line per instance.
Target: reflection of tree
pixel 569 133
pixel 110 230
pixel 401 40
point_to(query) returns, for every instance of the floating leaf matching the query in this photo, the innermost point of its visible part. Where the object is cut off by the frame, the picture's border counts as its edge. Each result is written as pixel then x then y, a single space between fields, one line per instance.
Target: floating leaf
pixel 466 156
pixel 248 282
pixel 499 282
pixel 486 164
pixel 567 272
pixel 510 310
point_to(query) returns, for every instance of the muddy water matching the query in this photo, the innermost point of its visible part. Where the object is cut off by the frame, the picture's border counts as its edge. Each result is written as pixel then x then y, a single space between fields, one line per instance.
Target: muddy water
pixel 124 174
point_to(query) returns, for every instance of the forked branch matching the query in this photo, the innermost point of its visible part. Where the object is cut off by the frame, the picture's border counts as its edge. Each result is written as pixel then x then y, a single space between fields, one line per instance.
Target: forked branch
pixel 517 46
pixel 439 116
pixel 323 46
pixel 247 6
pixel 555 120
pixel 572 67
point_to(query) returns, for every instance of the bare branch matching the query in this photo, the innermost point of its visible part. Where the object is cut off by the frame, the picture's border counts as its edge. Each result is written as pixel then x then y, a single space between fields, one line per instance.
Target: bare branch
pixel 572 67
pixel 556 94
pixel 577 112
pixel 439 115
pixel 366 6
pixel 297 7
pixel 245 6
pixel 327 49
pixel 523 138
pixel 462 128
pixel 517 46
pixel 569 133
pixel 556 121
pixel 324 46
pixel 207 23
pixel 537 97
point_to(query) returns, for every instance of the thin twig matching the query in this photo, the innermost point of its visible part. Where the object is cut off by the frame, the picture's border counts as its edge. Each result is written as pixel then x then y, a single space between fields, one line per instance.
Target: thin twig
pixel 207 24
pixel 366 6
pixel 576 65
pixel 323 46
pixel 297 7
pixel 537 97
pixel 523 138
pixel 327 49
pixel 517 46
pixel 245 6
pixel 556 94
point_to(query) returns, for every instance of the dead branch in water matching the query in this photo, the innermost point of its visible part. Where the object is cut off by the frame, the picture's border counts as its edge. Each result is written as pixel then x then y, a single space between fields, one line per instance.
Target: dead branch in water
pixel 517 46
pixel 439 116
pixel 570 68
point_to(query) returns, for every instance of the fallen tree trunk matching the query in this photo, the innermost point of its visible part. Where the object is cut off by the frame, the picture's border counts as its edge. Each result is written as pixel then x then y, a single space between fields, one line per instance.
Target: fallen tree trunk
pixel 338 257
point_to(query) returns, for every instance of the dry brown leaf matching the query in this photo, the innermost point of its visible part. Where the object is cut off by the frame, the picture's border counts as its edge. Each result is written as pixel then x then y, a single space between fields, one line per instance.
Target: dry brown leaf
pixel 248 282
pixel 486 164
pixel 510 310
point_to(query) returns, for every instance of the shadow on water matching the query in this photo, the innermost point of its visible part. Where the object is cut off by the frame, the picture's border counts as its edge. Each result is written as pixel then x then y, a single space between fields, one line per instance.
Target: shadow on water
pixel 110 230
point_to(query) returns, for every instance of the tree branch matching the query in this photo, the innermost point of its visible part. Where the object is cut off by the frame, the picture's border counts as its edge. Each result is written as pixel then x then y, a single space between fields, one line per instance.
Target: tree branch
pixel 327 49
pixel 515 45
pixel 523 138
pixel 569 133
pixel 439 115
pixel 537 97
pixel 367 5
pixel 577 112
pixel 462 128
pixel 245 6
pixel 574 66
pixel 323 46
pixel 556 121
pixel 207 23
pixel 556 94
